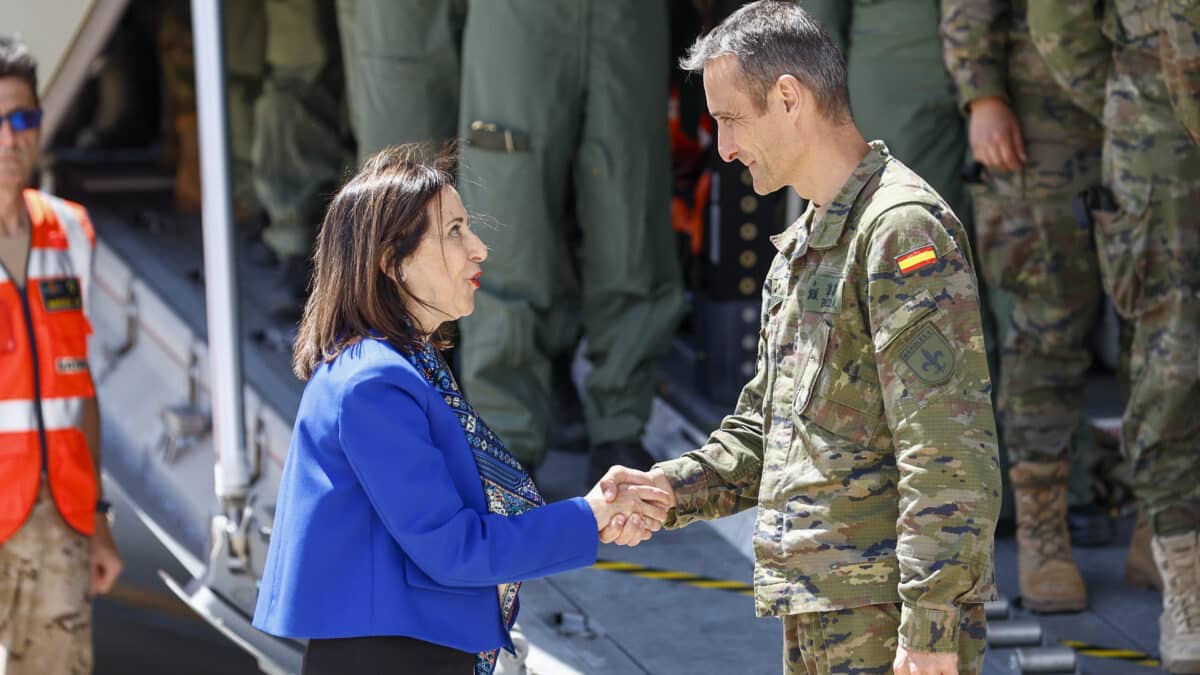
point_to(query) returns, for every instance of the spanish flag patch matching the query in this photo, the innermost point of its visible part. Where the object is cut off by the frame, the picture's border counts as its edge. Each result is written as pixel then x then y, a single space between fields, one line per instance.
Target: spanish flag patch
pixel 915 260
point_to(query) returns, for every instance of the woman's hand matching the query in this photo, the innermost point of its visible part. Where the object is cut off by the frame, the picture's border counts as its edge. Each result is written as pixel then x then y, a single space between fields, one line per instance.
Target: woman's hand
pixel 633 514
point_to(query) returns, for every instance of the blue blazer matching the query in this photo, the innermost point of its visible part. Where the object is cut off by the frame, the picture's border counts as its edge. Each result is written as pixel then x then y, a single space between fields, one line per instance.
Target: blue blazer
pixel 381 527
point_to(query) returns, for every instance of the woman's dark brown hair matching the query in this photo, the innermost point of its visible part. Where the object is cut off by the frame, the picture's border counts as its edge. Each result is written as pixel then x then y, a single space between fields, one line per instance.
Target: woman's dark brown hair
pixel 381 214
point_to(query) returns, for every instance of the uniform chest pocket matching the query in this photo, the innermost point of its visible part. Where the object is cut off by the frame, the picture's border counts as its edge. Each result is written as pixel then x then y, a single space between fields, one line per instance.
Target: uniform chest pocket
pixel 847 400
pixel 812 338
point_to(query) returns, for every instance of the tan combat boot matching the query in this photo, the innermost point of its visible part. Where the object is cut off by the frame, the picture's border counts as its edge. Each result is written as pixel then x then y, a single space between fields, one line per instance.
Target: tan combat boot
pixel 1140 569
pixel 1049 579
pixel 187 169
pixel 1178 558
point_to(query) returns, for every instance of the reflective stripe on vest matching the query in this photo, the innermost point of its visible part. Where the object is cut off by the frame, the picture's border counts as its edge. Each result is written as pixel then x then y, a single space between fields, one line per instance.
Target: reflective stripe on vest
pixel 44 375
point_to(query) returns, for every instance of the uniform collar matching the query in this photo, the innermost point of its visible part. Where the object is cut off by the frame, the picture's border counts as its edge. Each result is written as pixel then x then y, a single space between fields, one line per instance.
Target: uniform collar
pixel 826 232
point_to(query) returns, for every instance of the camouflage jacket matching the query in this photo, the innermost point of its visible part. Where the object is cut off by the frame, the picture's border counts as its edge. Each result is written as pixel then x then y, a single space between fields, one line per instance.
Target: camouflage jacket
pixel 1147 50
pixel 1181 61
pixel 989 52
pixel 866 436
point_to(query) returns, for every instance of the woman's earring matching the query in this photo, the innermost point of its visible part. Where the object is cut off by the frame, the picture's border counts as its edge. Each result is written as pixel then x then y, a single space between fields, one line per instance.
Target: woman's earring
pixel 403 278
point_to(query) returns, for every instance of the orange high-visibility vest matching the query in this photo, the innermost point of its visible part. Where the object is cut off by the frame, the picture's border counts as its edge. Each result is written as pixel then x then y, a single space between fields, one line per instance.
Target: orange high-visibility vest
pixel 44 376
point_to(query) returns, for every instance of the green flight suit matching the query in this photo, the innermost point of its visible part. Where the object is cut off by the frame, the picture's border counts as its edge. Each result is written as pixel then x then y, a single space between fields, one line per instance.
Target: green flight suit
pixel 244 28
pixel 563 103
pixel 1030 243
pixel 899 88
pixel 406 62
pixel 866 437
pixel 245 62
pixel 1107 54
pixel 300 145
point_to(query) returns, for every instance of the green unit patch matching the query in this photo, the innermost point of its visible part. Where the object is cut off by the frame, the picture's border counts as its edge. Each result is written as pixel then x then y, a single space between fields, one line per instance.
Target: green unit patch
pixel 824 294
pixel 929 355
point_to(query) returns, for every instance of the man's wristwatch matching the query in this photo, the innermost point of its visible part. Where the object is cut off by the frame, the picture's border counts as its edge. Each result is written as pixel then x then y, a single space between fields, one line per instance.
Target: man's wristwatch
pixel 105 508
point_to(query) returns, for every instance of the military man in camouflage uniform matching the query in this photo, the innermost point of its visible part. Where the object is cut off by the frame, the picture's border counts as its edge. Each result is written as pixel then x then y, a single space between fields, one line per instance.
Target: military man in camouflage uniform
pixel 1108 55
pixel 866 437
pixel 1039 151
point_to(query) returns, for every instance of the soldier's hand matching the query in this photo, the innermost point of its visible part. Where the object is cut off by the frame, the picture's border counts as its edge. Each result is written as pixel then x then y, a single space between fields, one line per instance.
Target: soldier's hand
pixel 106 564
pixel 995 135
pixel 924 663
pixel 621 475
pixel 630 518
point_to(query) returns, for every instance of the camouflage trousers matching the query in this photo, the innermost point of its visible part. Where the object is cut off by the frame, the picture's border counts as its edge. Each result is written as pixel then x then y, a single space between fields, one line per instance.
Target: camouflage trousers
pixel 45 608
pixel 1148 247
pixel 1036 251
pixel 864 640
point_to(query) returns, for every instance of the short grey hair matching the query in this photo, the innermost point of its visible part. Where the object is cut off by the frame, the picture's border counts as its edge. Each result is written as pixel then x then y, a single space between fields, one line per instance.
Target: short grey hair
pixel 772 38
pixel 17 61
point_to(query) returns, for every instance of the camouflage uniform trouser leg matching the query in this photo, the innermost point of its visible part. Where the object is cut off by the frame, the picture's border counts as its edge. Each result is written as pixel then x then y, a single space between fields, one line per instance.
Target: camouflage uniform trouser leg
pixel 45 611
pixel 864 640
pixel 1148 251
pixel 1036 251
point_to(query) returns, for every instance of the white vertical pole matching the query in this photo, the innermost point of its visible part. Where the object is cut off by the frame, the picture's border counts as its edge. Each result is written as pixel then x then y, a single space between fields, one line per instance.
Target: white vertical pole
pixel 220 270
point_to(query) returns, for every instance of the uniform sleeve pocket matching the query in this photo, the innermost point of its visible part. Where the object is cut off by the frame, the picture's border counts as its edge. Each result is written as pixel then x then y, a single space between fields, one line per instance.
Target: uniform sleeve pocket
pixel 917 307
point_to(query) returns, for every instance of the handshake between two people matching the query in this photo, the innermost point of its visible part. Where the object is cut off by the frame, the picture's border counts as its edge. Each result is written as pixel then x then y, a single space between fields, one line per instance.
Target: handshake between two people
pixel 630 505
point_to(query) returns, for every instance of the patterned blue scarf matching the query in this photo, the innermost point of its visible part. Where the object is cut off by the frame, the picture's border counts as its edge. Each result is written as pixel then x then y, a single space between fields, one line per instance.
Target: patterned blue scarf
pixel 508 488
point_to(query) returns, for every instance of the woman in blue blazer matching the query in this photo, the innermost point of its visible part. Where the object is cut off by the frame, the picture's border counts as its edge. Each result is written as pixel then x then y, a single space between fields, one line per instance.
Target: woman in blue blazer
pixel 403 527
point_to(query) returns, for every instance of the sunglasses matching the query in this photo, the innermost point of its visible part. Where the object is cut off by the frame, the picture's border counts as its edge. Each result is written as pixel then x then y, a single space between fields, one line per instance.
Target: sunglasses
pixel 23 119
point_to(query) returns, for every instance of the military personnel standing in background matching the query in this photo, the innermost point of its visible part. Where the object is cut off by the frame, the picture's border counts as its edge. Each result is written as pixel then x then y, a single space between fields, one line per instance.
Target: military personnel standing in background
pixel 287 125
pixel 866 436
pixel 564 102
pixel 1039 151
pixel 406 59
pixel 244 35
pixel 301 142
pixel 1108 56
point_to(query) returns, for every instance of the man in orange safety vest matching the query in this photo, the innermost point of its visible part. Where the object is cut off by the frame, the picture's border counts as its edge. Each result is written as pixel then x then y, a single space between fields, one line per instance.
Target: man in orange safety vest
pixel 56 550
